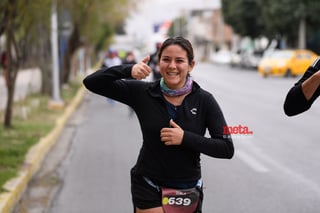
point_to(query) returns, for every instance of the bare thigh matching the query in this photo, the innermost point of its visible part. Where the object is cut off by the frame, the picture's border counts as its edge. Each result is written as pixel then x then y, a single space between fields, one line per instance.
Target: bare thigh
pixel 153 210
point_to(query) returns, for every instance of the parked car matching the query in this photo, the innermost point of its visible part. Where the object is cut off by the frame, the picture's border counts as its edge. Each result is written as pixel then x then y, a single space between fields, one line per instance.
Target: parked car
pixel 250 59
pixel 286 62
pixel 221 57
pixel 246 59
pixel 235 59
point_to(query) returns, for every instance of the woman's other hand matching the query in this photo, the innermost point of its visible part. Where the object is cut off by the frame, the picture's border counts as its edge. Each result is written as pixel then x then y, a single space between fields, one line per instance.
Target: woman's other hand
pixel 172 135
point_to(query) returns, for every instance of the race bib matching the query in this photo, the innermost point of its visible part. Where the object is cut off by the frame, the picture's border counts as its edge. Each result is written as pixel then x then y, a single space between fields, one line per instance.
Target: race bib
pixel 180 200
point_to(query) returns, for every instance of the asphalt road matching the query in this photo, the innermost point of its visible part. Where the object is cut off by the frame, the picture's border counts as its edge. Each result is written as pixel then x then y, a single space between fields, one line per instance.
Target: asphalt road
pixel 274 170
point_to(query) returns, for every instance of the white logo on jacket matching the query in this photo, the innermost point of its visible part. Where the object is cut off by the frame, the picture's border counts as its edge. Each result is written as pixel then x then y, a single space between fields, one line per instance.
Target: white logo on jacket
pixel 193 111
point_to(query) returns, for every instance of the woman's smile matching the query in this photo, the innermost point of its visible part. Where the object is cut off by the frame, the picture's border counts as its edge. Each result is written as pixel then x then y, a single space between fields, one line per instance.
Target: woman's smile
pixel 170 73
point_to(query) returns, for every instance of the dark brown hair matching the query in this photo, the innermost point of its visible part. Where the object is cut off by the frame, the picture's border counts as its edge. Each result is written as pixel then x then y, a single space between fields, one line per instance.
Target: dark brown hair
pixel 182 42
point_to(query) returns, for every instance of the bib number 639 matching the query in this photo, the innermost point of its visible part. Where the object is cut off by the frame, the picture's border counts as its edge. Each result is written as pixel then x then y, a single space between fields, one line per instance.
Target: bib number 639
pixel 178 201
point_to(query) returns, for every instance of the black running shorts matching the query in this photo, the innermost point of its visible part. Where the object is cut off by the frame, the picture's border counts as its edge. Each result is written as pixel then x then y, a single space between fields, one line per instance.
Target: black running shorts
pixel 144 196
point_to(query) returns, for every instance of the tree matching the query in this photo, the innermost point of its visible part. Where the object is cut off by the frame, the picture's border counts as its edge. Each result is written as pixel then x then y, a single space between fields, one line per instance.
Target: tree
pixel 10 72
pixel 93 22
pixel 312 25
pixel 17 18
pixel 178 27
pixel 244 16
pixel 288 19
pixel 37 51
pixel 289 12
pixel 26 27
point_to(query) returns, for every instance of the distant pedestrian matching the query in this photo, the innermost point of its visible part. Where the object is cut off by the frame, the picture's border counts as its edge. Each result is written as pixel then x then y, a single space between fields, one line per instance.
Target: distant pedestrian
pixel 304 92
pixel 111 59
pixel 174 114
pixel 154 62
pixel 129 58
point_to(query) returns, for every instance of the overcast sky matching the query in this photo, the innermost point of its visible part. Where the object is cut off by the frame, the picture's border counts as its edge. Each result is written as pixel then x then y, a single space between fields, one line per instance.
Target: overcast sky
pixel 154 11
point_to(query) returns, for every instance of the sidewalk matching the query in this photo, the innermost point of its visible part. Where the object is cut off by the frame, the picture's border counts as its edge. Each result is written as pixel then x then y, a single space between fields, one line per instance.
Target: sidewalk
pixel 15 187
pixel 28 81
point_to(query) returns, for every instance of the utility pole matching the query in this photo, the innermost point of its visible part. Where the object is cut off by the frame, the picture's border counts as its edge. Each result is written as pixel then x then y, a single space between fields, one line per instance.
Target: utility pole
pixel 302 33
pixel 302 25
pixel 56 101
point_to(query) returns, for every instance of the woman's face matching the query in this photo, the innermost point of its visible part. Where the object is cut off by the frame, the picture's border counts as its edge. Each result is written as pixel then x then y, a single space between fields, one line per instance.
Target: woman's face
pixel 174 66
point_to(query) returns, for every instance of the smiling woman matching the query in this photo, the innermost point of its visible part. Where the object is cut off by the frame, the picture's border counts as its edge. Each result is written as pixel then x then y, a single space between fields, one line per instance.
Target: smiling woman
pixel 174 114
pixel 176 63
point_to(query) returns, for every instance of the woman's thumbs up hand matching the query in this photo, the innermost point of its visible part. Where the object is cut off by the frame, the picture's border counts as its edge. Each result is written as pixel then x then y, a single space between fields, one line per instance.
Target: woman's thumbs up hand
pixel 141 70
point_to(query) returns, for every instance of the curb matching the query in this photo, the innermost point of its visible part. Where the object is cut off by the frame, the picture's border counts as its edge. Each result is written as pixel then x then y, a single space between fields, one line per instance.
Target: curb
pixel 16 186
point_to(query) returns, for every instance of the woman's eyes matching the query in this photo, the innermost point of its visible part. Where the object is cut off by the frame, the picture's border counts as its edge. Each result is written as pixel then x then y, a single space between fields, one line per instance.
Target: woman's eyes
pixel 177 60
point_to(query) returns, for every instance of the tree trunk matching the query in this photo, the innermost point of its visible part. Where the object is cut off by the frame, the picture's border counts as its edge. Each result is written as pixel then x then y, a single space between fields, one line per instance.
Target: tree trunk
pixel 44 60
pixel 46 83
pixel 10 100
pixel 73 43
pixel 11 73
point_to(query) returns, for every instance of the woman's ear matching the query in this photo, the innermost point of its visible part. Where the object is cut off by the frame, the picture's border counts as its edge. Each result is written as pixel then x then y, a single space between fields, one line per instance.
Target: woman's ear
pixel 191 65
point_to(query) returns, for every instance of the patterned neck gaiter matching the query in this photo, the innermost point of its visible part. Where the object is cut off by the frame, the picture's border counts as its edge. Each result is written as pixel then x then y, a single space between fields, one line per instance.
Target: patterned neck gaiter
pixel 176 92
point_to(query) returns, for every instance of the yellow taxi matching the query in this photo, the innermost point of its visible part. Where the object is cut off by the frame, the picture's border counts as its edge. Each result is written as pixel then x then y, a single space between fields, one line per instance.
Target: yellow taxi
pixel 286 62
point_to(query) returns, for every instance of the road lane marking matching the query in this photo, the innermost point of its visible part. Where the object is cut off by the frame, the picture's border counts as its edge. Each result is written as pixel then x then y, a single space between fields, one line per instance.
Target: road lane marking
pixel 251 161
pixel 288 173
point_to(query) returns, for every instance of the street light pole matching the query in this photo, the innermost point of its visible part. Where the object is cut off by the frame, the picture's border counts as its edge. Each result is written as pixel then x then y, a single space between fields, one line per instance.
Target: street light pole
pixel 56 101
